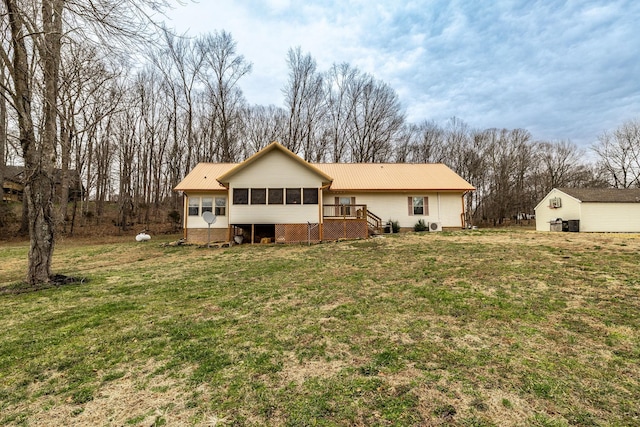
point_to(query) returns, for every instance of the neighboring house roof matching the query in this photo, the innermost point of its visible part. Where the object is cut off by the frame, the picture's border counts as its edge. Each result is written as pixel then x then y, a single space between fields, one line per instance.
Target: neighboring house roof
pixel 224 178
pixel 604 195
pixel 13 173
pixel 342 176
pixel 16 174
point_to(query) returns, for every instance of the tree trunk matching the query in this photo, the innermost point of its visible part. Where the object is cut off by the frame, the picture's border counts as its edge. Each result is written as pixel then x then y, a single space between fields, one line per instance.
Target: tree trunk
pixel 39 159
pixel 3 136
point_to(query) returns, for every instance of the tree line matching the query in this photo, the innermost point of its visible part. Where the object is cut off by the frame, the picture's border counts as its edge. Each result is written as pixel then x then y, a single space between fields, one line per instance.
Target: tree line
pixel 131 126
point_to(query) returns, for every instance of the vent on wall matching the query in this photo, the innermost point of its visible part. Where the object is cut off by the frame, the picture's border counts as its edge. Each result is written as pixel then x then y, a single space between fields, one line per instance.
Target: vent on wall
pixel 435 226
pixel 555 203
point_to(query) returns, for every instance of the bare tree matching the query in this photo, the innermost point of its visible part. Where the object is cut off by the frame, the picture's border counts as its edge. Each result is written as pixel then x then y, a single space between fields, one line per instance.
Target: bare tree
pixel 263 125
pixel 340 109
pixel 3 142
pixel 376 120
pixel 619 154
pixel 224 67
pixel 35 31
pixel 304 98
pixel 180 61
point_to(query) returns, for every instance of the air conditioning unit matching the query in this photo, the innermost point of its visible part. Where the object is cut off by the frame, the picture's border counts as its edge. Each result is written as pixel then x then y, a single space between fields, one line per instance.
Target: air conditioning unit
pixel 435 226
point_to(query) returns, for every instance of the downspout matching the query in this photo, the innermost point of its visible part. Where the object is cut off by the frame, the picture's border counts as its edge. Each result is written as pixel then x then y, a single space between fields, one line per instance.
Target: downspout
pixel 321 211
pixel 185 217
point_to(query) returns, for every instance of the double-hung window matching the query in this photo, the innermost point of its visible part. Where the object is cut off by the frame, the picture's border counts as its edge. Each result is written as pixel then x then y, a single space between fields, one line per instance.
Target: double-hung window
pixel 419 206
pixel 194 206
pixel 221 206
pixel 207 204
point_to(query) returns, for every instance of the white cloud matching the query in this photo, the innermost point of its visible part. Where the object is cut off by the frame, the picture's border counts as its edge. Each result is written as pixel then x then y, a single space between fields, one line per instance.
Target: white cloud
pixel 562 70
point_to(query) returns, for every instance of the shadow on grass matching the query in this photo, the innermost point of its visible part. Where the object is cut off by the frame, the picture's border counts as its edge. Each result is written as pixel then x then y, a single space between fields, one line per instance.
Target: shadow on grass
pixel 56 281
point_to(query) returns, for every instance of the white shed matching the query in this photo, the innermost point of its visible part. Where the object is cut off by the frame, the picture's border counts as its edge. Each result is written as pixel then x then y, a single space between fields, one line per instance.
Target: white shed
pixel 590 209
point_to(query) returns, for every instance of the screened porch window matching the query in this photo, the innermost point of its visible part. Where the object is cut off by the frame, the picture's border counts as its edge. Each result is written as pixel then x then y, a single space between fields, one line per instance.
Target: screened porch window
pixel 294 196
pixel 275 196
pixel 310 196
pixel 240 196
pixel 258 196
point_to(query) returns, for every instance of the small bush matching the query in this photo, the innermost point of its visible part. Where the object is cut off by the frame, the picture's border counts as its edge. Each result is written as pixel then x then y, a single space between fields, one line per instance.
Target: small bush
pixel 420 226
pixel 174 216
pixel 395 226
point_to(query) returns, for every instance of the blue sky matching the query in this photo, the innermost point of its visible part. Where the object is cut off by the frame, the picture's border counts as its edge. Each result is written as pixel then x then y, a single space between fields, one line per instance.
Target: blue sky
pixel 561 69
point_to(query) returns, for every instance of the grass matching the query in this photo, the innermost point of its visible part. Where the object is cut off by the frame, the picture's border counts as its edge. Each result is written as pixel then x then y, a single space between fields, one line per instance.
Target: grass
pixel 477 328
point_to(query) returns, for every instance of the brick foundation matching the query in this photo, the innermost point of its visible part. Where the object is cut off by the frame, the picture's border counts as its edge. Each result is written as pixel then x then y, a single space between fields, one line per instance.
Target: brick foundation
pixel 199 235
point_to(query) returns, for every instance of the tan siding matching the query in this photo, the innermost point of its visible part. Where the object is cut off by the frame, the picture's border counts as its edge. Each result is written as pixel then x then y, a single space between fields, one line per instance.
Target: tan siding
pixel 569 210
pixel 274 214
pixel 275 170
pixel 610 217
pixel 442 207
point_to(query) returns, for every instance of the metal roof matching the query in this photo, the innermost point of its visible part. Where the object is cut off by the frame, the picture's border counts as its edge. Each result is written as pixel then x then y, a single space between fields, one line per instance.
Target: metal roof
pixel 393 177
pixel 342 176
pixel 604 195
pixel 204 177
pixel 350 177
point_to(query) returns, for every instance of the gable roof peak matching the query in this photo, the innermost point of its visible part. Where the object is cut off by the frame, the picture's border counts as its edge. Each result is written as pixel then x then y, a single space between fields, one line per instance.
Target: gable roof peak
pixel 275 145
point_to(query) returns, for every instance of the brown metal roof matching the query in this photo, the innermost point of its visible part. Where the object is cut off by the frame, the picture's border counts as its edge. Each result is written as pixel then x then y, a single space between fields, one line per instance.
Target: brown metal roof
pixel 393 176
pixel 604 195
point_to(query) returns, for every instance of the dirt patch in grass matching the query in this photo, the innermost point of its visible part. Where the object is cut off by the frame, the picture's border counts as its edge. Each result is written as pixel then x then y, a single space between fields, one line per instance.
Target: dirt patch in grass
pixel 137 397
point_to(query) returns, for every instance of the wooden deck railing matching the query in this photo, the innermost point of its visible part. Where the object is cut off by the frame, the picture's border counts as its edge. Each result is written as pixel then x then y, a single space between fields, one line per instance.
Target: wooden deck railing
pixel 354 212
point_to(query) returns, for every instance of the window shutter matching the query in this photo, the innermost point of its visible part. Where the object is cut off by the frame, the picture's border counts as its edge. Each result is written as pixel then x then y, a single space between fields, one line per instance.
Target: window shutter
pixel 353 200
pixel 410 205
pixel 425 203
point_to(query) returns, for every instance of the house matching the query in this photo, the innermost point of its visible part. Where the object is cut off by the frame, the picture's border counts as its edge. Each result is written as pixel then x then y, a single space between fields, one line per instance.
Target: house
pixel 590 209
pixel 278 196
pixel 13 185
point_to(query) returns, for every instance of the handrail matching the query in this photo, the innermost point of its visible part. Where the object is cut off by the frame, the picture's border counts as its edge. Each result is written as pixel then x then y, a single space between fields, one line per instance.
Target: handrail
pixel 373 220
pixel 352 212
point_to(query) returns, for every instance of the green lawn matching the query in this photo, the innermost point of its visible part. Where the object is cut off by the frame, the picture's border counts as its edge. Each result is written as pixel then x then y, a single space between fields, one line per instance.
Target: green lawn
pixel 477 328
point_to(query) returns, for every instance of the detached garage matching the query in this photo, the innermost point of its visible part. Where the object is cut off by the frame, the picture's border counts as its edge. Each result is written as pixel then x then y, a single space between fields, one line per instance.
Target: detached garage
pixel 590 210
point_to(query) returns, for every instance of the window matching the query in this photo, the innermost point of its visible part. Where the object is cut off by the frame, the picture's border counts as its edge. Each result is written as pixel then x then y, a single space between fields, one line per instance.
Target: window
pixel 293 196
pixel 418 206
pixel 240 196
pixel 310 196
pixel 221 206
pixel 207 204
pixel 194 206
pixel 275 196
pixel 258 196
